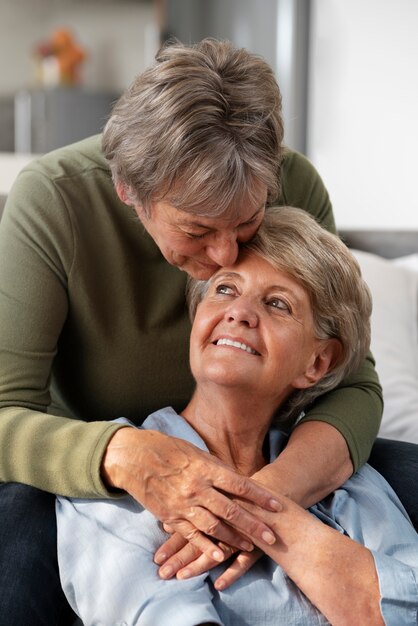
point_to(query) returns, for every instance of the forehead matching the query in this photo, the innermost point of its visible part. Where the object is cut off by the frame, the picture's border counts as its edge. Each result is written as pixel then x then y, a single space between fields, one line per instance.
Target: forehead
pixel 257 273
pixel 225 200
pixel 214 215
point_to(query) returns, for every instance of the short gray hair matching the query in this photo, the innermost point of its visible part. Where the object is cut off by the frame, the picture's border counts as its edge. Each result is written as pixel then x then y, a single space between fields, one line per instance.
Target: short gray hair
pixel 293 242
pixel 202 128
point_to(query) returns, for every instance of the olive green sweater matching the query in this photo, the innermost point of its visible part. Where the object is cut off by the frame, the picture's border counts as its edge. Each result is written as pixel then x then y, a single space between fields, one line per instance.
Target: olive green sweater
pixel 93 323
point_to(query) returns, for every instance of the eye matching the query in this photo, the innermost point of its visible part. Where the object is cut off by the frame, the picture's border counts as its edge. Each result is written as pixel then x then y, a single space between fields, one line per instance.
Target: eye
pixel 225 290
pixel 196 236
pixel 254 220
pixel 279 303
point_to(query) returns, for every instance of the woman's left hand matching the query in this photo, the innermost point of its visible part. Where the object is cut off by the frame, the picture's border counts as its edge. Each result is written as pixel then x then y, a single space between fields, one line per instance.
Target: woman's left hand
pixel 177 557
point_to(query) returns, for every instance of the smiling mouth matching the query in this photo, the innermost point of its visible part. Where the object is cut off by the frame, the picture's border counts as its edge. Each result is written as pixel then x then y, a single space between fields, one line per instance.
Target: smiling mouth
pixel 236 344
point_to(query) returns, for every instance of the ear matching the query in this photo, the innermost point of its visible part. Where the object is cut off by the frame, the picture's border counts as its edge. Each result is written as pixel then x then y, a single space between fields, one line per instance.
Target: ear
pixel 122 193
pixel 324 358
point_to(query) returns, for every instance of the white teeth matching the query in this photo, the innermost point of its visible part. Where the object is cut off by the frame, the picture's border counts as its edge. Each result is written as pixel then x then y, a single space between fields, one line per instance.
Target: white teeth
pixel 235 344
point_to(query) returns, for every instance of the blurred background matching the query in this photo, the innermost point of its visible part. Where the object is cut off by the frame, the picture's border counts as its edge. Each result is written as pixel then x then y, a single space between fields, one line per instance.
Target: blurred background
pixel 348 71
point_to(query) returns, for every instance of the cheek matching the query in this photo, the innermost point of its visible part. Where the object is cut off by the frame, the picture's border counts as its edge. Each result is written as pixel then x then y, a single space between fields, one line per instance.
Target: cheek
pixel 287 342
pixel 187 251
pixel 249 233
pixel 174 242
pixel 191 248
pixel 206 319
pixel 196 339
pixel 200 329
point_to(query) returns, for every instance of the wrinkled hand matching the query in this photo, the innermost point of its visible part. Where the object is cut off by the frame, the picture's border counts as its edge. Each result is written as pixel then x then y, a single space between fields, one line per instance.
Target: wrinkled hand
pixel 304 483
pixel 180 558
pixel 188 489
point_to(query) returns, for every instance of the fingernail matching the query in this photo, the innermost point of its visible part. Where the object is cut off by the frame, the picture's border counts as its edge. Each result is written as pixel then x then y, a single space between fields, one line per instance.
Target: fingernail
pixel 219 585
pixel 166 572
pixel 184 573
pixel 275 505
pixel 245 545
pixel 160 558
pixel 268 537
pixel 218 556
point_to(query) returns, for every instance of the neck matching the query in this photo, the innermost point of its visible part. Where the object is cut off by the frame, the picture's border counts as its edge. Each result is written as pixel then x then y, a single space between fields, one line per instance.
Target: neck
pixel 234 428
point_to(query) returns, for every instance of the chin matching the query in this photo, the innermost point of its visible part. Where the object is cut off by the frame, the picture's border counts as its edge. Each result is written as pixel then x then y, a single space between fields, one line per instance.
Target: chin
pixel 226 375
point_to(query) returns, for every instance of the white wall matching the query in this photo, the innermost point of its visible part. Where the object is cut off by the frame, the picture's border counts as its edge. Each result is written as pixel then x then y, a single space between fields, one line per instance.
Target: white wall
pixel 363 109
pixel 120 37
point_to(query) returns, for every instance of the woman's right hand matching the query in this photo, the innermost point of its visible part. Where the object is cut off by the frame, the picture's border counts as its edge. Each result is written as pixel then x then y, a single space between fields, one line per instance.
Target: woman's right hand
pixel 188 489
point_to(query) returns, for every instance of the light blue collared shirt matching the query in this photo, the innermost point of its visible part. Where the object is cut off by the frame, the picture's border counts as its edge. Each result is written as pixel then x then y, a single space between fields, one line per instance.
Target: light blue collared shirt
pixel 106 549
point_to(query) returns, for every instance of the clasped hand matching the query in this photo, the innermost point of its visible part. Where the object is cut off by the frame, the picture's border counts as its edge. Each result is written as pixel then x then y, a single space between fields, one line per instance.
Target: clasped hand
pixel 189 490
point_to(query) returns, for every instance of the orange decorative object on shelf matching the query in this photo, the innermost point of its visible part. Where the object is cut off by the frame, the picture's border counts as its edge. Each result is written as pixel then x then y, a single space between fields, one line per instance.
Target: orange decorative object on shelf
pixel 60 59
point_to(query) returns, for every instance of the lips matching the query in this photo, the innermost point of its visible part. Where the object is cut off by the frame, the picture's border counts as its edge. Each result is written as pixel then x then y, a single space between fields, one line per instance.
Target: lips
pixel 225 341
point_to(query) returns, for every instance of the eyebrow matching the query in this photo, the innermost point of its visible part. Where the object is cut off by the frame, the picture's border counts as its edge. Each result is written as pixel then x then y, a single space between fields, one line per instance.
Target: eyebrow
pixel 208 228
pixel 281 288
pixel 226 275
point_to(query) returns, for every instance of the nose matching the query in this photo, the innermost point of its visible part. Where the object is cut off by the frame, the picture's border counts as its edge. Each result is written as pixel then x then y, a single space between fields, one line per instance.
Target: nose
pixel 224 249
pixel 242 310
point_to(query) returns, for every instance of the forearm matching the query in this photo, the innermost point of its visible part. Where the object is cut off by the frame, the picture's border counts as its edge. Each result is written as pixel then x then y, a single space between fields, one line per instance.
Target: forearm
pixel 56 454
pixel 337 574
pixel 355 409
pixel 315 462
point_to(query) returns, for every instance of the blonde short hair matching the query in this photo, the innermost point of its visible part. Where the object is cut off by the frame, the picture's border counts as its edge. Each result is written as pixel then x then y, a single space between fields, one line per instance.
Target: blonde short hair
pixel 293 242
pixel 202 128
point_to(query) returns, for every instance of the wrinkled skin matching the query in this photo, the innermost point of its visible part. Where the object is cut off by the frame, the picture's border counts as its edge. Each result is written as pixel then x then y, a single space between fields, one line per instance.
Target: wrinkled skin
pixel 188 489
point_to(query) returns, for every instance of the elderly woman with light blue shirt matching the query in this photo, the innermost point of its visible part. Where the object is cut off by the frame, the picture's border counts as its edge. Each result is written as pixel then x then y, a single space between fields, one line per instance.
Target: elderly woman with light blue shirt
pixel 282 325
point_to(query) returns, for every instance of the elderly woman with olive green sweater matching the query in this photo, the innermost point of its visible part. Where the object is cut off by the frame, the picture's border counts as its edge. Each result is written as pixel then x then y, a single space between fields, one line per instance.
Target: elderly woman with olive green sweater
pixel 93 320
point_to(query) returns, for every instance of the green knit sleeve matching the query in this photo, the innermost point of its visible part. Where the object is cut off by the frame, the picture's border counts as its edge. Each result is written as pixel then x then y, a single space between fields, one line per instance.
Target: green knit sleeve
pixel 355 407
pixel 51 452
